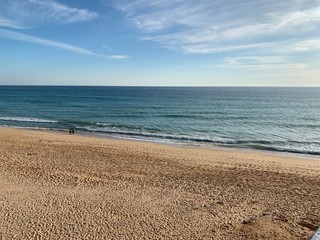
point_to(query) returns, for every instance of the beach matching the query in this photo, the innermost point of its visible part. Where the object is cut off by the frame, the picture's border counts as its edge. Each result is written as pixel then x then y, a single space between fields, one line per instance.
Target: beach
pixel 55 185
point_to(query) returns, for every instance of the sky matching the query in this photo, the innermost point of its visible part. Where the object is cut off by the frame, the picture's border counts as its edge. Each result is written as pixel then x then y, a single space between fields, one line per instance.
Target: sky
pixel 160 42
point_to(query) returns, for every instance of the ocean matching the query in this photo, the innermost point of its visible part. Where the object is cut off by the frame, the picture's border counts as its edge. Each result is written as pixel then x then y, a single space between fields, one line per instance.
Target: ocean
pixel 272 119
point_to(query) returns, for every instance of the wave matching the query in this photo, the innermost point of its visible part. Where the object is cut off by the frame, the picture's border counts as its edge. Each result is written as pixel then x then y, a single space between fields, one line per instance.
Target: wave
pixel 286 150
pixel 309 148
pixel 117 126
pixel 154 134
pixel 149 133
pixel 26 119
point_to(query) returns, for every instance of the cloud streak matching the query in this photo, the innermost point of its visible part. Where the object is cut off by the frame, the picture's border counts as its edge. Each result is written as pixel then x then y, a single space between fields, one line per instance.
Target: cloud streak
pixel 194 26
pixel 30 13
pixel 9 23
pixel 8 34
pixel 272 62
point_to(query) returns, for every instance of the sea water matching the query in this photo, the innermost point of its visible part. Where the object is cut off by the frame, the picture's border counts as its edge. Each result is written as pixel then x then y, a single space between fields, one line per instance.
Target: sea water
pixel 274 119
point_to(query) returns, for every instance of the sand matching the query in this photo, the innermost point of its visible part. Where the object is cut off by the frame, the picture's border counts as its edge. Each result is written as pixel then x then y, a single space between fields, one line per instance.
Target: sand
pixel 60 186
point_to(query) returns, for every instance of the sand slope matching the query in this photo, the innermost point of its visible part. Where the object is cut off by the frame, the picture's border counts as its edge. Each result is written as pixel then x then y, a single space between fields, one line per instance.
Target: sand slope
pixel 60 186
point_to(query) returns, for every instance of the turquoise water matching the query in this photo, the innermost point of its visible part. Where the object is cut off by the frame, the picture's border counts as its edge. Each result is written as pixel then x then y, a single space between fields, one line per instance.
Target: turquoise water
pixel 275 119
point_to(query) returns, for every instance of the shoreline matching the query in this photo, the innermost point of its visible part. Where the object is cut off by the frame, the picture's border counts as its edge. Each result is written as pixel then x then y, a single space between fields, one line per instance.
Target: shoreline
pixel 178 144
pixel 55 185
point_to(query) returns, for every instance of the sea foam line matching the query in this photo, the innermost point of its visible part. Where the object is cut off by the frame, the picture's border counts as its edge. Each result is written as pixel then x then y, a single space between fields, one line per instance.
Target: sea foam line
pixel 25 119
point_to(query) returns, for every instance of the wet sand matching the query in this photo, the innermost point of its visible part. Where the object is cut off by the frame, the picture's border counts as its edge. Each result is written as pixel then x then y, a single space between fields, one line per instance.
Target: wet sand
pixel 60 186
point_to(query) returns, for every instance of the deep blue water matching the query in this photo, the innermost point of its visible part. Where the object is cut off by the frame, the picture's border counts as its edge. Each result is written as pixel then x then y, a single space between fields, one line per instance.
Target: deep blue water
pixel 275 119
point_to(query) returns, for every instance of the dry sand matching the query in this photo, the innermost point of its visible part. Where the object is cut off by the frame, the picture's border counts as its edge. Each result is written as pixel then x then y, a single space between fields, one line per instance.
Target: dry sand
pixel 60 186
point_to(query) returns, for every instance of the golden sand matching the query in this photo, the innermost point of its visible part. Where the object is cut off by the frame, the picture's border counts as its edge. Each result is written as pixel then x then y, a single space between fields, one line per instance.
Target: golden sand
pixel 61 186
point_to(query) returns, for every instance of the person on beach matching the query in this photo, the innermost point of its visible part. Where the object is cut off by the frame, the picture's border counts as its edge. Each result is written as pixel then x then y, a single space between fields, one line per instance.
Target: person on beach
pixel 71 131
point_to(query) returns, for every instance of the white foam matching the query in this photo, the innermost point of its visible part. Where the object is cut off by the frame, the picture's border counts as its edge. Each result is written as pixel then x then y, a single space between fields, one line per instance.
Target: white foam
pixel 316 235
pixel 25 119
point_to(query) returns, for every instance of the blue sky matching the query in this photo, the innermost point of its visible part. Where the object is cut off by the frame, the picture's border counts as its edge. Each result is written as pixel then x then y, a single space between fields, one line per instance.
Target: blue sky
pixel 160 42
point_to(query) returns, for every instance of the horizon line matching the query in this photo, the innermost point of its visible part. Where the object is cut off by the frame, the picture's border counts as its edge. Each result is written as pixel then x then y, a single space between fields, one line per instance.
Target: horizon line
pixel 163 86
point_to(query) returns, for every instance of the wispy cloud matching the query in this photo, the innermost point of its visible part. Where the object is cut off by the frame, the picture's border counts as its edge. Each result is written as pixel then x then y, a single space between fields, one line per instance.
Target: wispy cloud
pixel 118 56
pixel 10 23
pixel 257 60
pixel 7 34
pixel 272 62
pixel 194 26
pixel 30 13
pixel 307 45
